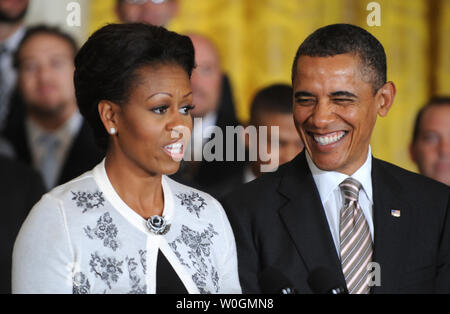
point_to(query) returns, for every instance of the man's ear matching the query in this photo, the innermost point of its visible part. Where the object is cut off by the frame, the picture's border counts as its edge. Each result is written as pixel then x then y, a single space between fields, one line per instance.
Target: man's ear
pixel 109 115
pixel 385 98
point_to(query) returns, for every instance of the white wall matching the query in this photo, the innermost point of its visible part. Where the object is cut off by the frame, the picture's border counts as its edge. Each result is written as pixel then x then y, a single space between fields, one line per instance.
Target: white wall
pixel 54 12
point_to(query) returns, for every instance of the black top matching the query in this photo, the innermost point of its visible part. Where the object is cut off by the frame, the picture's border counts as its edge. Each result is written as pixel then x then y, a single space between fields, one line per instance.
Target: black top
pixel 167 280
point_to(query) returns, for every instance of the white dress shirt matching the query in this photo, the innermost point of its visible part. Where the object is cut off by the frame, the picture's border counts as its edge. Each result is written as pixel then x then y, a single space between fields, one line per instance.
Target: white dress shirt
pixel 81 237
pixel 65 135
pixel 327 183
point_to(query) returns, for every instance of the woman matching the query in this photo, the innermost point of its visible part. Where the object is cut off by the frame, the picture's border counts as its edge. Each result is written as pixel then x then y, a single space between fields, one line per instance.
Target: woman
pixel 125 227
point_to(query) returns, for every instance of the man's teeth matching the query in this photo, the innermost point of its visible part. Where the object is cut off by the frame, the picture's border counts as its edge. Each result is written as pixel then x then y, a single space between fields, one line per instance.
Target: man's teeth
pixel 329 139
pixel 174 148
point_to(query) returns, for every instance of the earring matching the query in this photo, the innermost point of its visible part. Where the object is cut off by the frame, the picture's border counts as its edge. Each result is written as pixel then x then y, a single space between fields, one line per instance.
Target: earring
pixel 112 131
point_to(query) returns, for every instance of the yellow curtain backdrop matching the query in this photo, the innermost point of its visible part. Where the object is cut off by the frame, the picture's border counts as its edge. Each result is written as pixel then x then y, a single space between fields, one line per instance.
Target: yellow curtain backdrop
pixel 257 40
pixel 443 55
pixel 405 37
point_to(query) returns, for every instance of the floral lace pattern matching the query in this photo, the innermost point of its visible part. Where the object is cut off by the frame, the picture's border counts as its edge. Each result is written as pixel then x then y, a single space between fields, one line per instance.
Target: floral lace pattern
pixel 193 202
pixel 143 259
pixel 81 284
pixel 105 230
pixel 87 200
pixel 108 269
pixel 198 246
pixel 136 286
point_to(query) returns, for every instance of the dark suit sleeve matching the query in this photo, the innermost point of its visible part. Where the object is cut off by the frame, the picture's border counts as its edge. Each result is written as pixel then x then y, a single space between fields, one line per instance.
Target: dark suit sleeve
pixel 243 229
pixel 32 190
pixel 443 277
pixel 20 188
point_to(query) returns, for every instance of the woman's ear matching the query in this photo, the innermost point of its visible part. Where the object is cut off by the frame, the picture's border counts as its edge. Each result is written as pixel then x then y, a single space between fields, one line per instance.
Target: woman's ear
pixel 108 114
pixel 386 95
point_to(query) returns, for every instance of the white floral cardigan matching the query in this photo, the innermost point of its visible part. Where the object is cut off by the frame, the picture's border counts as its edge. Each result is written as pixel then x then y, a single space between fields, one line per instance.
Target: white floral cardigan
pixel 82 238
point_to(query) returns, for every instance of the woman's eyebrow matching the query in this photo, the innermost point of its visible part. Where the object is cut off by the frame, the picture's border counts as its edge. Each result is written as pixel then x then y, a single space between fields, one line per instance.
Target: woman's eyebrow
pixel 159 93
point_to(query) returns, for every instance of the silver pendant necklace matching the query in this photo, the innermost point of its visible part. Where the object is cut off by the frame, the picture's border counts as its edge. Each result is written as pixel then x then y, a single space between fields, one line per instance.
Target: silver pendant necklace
pixel 157 225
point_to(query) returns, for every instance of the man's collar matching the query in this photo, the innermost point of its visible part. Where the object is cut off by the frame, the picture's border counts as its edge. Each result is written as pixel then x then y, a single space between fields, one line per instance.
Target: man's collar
pixel 328 181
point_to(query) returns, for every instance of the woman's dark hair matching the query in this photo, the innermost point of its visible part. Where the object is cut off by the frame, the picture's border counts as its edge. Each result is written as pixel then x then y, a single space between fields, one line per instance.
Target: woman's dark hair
pixel 338 39
pixel 106 67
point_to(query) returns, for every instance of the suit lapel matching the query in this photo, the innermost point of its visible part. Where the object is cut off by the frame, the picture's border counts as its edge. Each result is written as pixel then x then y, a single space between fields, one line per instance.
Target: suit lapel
pixel 305 220
pixel 390 231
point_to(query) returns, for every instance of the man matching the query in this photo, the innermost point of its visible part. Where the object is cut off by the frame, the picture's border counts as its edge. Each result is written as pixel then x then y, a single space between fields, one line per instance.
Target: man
pixel 214 107
pixel 12 13
pixel 272 107
pixel 335 206
pixel 430 147
pixel 155 12
pixel 52 136
pixel 20 188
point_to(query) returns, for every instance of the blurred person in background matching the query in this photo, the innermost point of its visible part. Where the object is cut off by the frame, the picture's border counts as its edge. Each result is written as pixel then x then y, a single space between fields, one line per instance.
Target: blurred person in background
pixel 20 188
pixel 272 107
pixel 155 12
pixel 12 29
pixel 430 147
pixel 214 104
pixel 51 136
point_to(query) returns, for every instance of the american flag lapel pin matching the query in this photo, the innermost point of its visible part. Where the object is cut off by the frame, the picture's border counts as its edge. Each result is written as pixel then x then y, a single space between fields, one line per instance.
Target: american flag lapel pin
pixel 395 213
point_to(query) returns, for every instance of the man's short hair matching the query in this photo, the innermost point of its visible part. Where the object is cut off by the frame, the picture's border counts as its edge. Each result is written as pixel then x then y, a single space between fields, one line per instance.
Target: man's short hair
pixel 433 102
pixel 44 30
pixel 276 98
pixel 338 39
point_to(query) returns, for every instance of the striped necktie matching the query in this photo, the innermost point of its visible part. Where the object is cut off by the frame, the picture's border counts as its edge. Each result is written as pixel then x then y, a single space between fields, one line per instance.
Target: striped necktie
pixel 355 240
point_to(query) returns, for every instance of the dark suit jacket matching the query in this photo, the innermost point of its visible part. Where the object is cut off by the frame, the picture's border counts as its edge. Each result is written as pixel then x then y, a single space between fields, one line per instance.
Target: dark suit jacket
pixel 20 188
pixel 83 155
pixel 279 221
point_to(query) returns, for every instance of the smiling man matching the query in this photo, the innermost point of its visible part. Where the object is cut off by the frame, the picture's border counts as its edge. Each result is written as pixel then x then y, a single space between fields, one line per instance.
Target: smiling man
pixel 374 227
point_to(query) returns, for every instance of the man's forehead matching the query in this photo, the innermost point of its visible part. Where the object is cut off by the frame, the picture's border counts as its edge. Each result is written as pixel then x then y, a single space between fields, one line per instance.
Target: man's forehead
pixel 58 48
pixel 344 67
pixel 441 111
pixel 336 62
